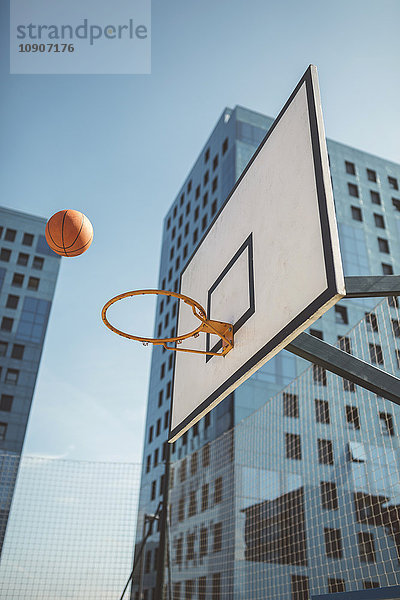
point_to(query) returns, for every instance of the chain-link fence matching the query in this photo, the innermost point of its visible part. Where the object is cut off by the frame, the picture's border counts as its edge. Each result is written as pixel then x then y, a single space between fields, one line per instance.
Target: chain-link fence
pixel 70 530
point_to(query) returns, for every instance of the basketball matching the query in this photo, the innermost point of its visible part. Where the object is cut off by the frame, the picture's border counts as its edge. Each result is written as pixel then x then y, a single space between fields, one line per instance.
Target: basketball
pixel 69 233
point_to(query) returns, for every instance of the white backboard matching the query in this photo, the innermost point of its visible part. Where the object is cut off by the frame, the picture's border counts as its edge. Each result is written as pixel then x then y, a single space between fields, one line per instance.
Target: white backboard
pixel 269 262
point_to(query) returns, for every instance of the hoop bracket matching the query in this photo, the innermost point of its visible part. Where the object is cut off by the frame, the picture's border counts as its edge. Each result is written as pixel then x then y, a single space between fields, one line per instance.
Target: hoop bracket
pixel 223 330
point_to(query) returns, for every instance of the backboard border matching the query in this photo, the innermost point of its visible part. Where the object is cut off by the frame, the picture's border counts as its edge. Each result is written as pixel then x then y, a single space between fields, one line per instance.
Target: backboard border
pixel 316 130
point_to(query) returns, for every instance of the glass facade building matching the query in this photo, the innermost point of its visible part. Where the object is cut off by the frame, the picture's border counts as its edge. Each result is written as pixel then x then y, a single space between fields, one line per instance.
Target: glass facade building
pixel 28 275
pixel 367 199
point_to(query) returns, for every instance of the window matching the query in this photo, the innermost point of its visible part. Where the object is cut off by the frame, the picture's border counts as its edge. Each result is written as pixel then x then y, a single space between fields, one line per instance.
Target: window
pixel 379 221
pixel 202 588
pixel 195 429
pixel 158 427
pixel 151 434
pixel 218 490
pixel 375 197
pixel 386 421
pixel 368 584
pixel 336 585
pixel 153 490
pixel 396 203
pixel 17 280
pixel 207 420
pixel 344 344
pixel 300 587
pixel 164 451
pixel 204 497
pixel 160 398
pixel 290 405
pixel 180 221
pixel 325 452
pixel 391 180
pixel 27 240
pixel 189 186
pixel 33 283
pixel 322 411
pixel 189 554
pixel 181 509
pixel 333 543
pixel 10 235
pixel 12 376
pixel 38 263
pixel 6 402
pixel 148 463
pixel 196 213
pixel 204 223
pixel 155 461
pixel 175 211
pixel 319 375
pixel 366 546
pixel 197 192
pixel 350 167
pixel 193 464
pixel 203 541
pixel 182 470
pixel 168 389
pixel 166 419
pixel 206 455
pixel 179 241
pixel 217 544
pixel 185 251
pixel 341 316
pixel 214 184
pixel 356 213
pixel 293 446
pixel 168 223
pixel 206 177
pixel 3 431
pixel 207 155
pixel 329 496
pixel 371 175
pixel 182 199
pixel 349 386
pixel 205 199
pixel 195 235
pixel 213 208
pixel 352 417
pixel 5 254
pixel 7 324
pixel 162 371
pixel 383 245
pixel 215 162
pixel 376 355
pixel 224 146
pixel 371 321
pixel 387 269
pixel 396 327
pixel 184 439
pixel 3 348
pixel 216 586
pixel 173 233
pixel 179 553
pixel 170 361
pixel 187 208
pixel 317 333
pixel 353 190
pixel 12 301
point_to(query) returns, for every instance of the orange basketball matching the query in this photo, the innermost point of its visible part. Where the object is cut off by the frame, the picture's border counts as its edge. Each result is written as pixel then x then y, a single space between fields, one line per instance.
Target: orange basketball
pixel 69 233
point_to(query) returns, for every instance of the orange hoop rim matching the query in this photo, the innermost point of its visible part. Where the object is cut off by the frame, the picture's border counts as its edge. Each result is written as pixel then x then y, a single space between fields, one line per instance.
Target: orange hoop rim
pixel 197 309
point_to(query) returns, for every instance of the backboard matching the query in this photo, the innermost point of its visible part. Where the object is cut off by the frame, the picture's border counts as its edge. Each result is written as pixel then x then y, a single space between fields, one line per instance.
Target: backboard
pixel 269 263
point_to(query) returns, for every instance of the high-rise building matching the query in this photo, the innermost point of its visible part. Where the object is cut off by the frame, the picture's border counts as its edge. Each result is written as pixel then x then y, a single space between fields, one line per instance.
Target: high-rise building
pixel 367 199
pixel 28 275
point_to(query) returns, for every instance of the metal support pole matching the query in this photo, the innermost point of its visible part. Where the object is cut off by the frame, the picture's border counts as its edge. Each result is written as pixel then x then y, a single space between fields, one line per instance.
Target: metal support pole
pixel 345 365
pixel 158 594
pixel 372 286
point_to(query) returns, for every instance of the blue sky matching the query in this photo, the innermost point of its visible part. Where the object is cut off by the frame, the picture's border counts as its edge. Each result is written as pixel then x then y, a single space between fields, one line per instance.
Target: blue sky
pixel 118 148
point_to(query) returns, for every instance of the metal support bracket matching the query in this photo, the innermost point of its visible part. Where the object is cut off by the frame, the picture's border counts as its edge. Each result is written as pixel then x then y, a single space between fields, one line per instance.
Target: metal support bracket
pixel 343 364
pixel 347 366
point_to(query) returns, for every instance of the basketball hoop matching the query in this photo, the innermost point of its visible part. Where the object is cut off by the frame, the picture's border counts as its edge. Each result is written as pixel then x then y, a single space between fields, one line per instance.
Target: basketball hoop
pixel 219 328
